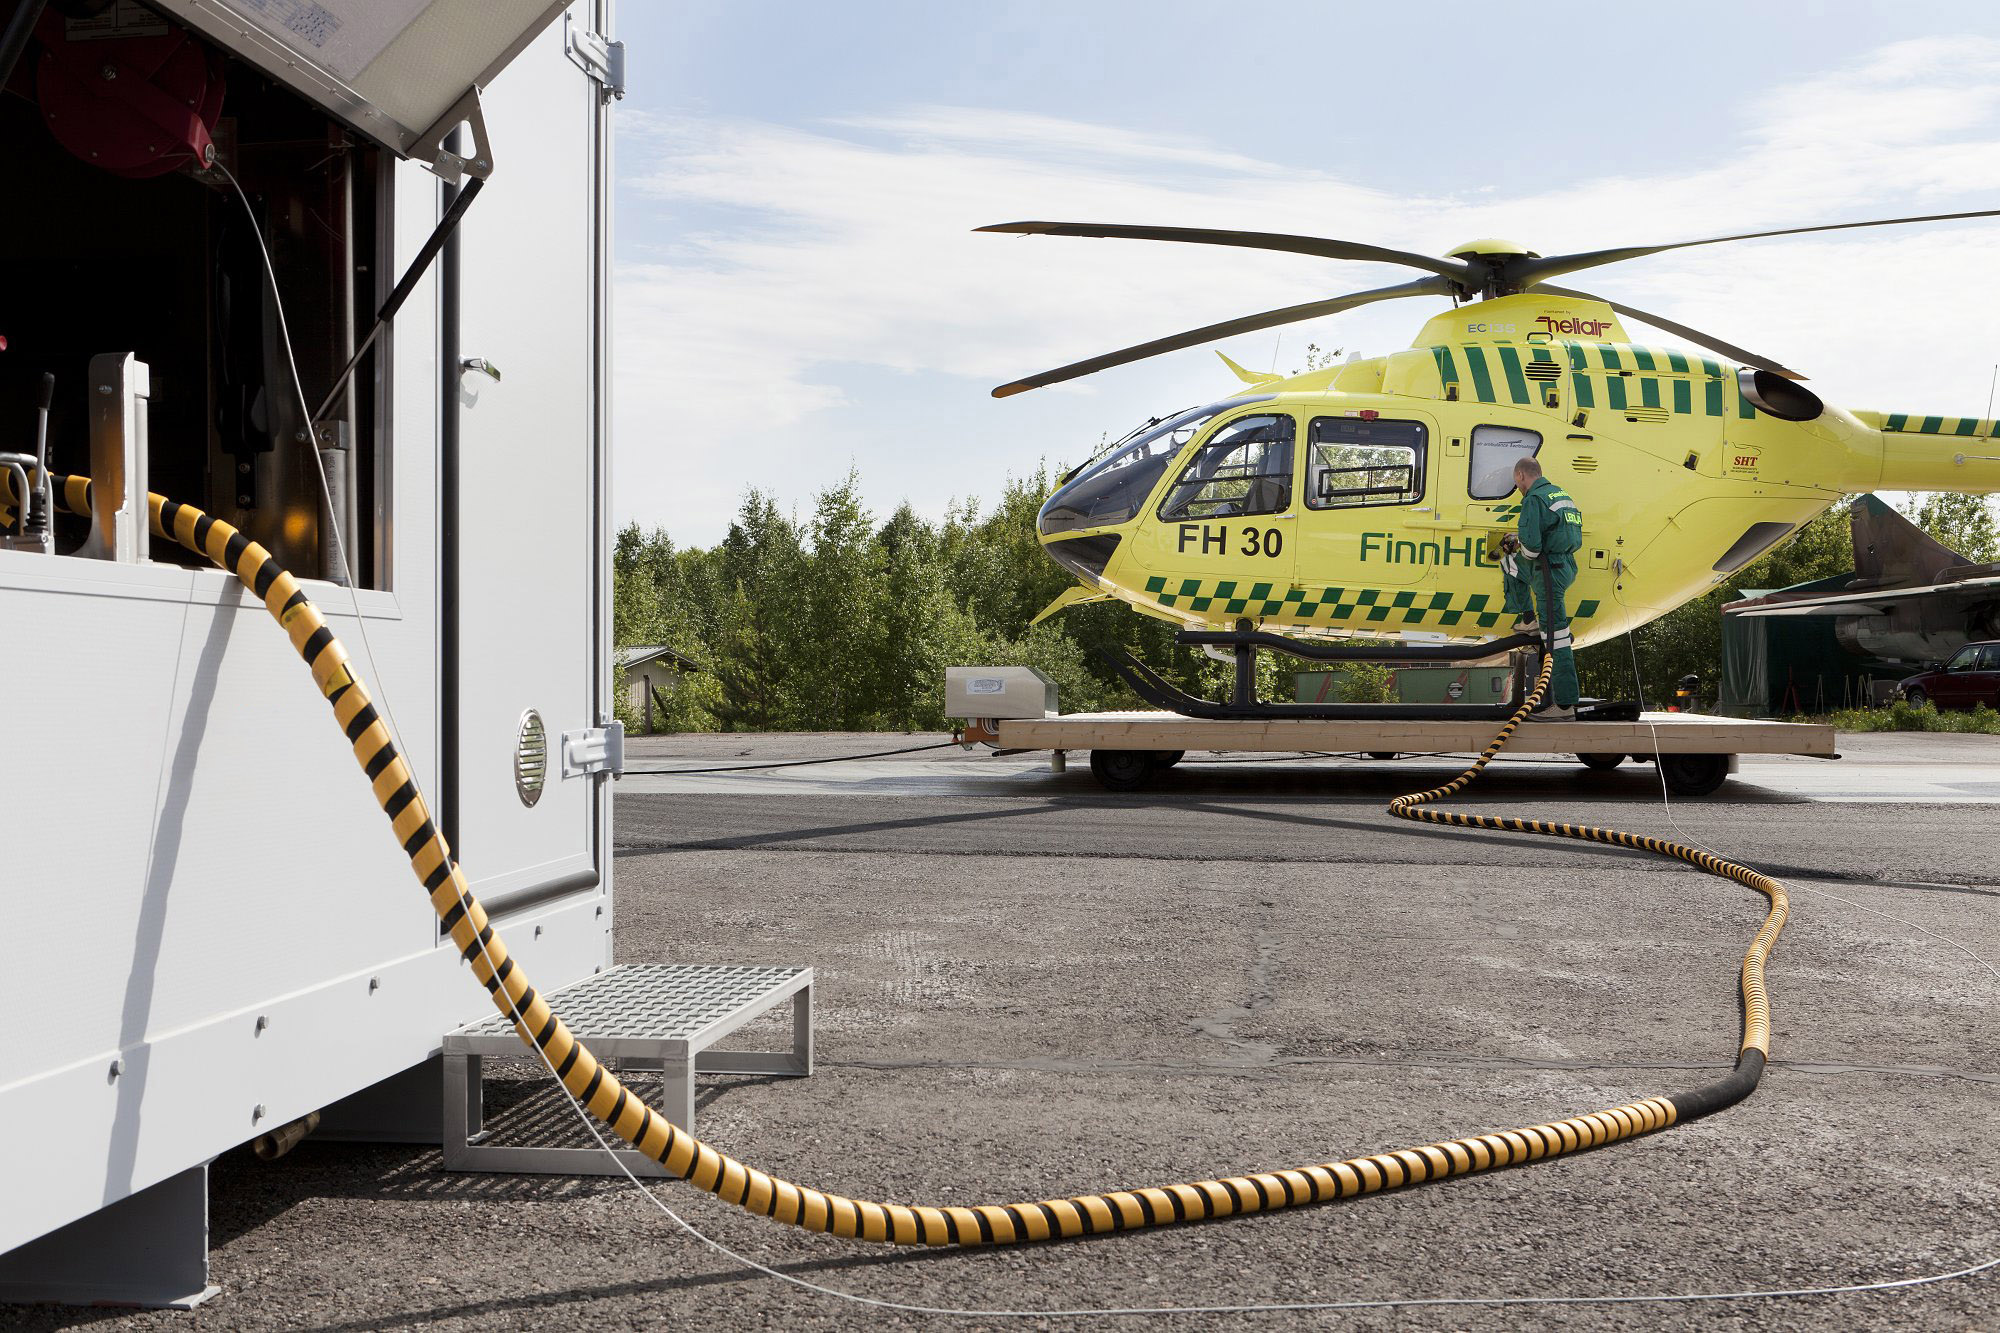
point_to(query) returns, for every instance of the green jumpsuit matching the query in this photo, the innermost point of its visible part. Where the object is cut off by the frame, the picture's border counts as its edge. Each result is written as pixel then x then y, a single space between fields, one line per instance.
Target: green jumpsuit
pixel 1551 534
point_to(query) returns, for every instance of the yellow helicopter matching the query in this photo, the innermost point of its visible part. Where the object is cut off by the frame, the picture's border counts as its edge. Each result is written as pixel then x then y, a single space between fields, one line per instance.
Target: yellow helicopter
pixel 1367 500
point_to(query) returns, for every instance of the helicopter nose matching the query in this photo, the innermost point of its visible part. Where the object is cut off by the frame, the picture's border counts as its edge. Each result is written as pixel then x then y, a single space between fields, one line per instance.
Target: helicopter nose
pixel 1085 557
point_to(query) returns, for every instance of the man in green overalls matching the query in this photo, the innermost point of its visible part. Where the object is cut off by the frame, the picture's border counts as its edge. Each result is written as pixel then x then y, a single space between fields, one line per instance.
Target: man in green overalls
pixel 1544 554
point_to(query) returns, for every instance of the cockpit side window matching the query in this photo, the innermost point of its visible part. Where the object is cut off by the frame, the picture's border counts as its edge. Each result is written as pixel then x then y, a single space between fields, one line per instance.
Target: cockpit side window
pixel 1495 450
pixel 1113 486
pixel 1355 462
pixel 1245 468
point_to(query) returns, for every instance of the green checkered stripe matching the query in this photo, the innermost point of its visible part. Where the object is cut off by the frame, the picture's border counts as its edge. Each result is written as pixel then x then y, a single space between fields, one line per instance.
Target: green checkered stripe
pixel 1227 595
pixel 1905 423
pixel 1333 606
pixel 1615 376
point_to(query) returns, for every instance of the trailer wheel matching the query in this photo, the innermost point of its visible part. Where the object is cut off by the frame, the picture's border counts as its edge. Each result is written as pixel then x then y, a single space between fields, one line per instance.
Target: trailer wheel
pixel 1167 758
pixel 1600 763
pixel 1694 774
pixel 1383 754
pixel 1122 770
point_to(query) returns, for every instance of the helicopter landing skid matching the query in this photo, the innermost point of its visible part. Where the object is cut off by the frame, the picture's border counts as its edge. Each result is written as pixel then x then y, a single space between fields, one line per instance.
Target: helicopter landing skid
pixel 1156 690
pixel 1244 644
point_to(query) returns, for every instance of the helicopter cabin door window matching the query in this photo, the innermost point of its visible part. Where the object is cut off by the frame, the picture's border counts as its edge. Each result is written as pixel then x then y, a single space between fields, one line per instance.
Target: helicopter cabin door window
pixel 1245 468
pixel 1356 462
pixel 1495 450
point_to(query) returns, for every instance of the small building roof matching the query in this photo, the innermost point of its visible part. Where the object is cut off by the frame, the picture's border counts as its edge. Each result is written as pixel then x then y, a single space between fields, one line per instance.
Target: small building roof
pixel 653 652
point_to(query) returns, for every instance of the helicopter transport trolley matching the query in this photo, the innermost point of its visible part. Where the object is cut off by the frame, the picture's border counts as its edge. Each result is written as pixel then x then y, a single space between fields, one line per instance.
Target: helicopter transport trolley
pixel 1013 709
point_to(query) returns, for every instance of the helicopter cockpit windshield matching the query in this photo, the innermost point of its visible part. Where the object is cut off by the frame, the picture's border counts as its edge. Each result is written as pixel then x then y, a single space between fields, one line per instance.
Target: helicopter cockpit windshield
pixel 1111 489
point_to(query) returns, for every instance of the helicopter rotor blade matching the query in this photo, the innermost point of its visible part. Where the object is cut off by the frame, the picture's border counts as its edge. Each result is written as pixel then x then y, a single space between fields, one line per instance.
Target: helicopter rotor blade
pixel 1319 246
pixel 1291 314
pixel 1695 336
pixel 1527 272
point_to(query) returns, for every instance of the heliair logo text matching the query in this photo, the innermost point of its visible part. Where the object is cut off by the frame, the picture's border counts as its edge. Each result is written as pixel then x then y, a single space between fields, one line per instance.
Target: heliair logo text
pixel 1589 328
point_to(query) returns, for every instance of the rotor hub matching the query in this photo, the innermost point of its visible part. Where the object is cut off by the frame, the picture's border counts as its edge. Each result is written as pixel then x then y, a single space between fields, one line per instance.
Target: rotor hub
pixel 1491 248
pixel 1489 261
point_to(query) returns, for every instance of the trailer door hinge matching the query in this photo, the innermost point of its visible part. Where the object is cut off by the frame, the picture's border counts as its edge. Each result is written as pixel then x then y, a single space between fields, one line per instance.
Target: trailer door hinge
pixel 595 750
pixel 600 59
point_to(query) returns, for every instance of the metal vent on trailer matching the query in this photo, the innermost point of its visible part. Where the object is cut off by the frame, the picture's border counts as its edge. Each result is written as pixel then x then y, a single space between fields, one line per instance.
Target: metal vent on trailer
pixel 531 758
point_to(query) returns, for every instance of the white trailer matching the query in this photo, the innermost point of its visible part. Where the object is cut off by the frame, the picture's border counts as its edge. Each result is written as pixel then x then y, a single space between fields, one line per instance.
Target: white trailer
pixel 206 929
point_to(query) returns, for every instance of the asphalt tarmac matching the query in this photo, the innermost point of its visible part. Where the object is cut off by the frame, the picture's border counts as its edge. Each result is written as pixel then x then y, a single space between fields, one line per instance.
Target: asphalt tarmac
pixel 1028 987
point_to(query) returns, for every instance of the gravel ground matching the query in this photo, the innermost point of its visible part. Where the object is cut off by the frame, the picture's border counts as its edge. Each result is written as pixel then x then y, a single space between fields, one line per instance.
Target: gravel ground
pixel 1049 990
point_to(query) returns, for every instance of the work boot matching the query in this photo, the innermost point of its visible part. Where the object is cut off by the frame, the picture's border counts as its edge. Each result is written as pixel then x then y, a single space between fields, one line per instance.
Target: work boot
pixel 1552 713
pixel 1528 626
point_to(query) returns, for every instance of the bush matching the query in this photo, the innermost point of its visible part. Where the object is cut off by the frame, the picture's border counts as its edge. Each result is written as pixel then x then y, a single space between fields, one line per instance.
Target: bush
pixel 1900 716
pixel 1366 683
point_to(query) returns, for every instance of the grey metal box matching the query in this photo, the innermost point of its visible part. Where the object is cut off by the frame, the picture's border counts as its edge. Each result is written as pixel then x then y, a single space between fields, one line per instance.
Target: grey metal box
pixel 1012 691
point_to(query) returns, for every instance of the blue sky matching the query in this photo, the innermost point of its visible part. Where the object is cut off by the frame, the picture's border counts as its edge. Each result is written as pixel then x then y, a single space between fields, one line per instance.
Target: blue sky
pixel 798 290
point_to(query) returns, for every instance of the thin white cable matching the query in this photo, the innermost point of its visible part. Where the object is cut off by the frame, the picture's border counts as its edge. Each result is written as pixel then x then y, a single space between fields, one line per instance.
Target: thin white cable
pixel 590 1122
pixel 319 465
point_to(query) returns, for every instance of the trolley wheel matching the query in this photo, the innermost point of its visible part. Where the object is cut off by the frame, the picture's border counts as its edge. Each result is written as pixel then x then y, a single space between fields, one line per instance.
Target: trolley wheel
pixel 1122 770
pixel 1600 763
pixel 1694 774
pixel 1383 754
pixel 1167 758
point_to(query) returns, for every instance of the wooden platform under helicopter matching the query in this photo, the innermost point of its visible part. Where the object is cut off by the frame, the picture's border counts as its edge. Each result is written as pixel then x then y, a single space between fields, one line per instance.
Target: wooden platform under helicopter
pixel 1128 751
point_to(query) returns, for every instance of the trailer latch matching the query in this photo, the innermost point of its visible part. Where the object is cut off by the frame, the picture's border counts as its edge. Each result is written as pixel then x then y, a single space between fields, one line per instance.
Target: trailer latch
pixel 602 60
pixel 594 750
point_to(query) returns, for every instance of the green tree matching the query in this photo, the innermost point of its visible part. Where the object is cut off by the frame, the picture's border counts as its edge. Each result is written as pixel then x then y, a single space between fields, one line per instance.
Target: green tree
pixel 996 567
pixel 1366 683
pixel 1962 522
pixel 760 561
pixel 650 605
pixel 749 671
pixel 833 660
pixel 918 630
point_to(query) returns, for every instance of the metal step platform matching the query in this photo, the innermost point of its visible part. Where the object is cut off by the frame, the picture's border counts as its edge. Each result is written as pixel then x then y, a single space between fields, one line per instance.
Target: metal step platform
pixel 659 1016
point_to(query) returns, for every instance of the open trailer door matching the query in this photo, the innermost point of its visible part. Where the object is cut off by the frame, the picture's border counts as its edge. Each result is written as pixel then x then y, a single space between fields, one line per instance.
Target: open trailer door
pixel 527 393
pixel 522 418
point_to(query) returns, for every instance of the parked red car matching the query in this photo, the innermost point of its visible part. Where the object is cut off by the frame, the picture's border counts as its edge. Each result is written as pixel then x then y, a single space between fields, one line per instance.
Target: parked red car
pixel 1970 678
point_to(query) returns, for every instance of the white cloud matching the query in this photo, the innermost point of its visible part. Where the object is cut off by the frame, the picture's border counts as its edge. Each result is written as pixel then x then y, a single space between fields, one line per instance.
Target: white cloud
pixel 816 297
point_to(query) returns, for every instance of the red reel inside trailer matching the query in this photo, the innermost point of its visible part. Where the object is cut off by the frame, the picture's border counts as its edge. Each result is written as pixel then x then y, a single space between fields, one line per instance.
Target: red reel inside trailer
pixel 138 102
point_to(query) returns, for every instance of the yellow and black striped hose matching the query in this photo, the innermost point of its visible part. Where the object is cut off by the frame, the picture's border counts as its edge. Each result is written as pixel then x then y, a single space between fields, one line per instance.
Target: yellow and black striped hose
pixel 1756 1044
pixel 598 1089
